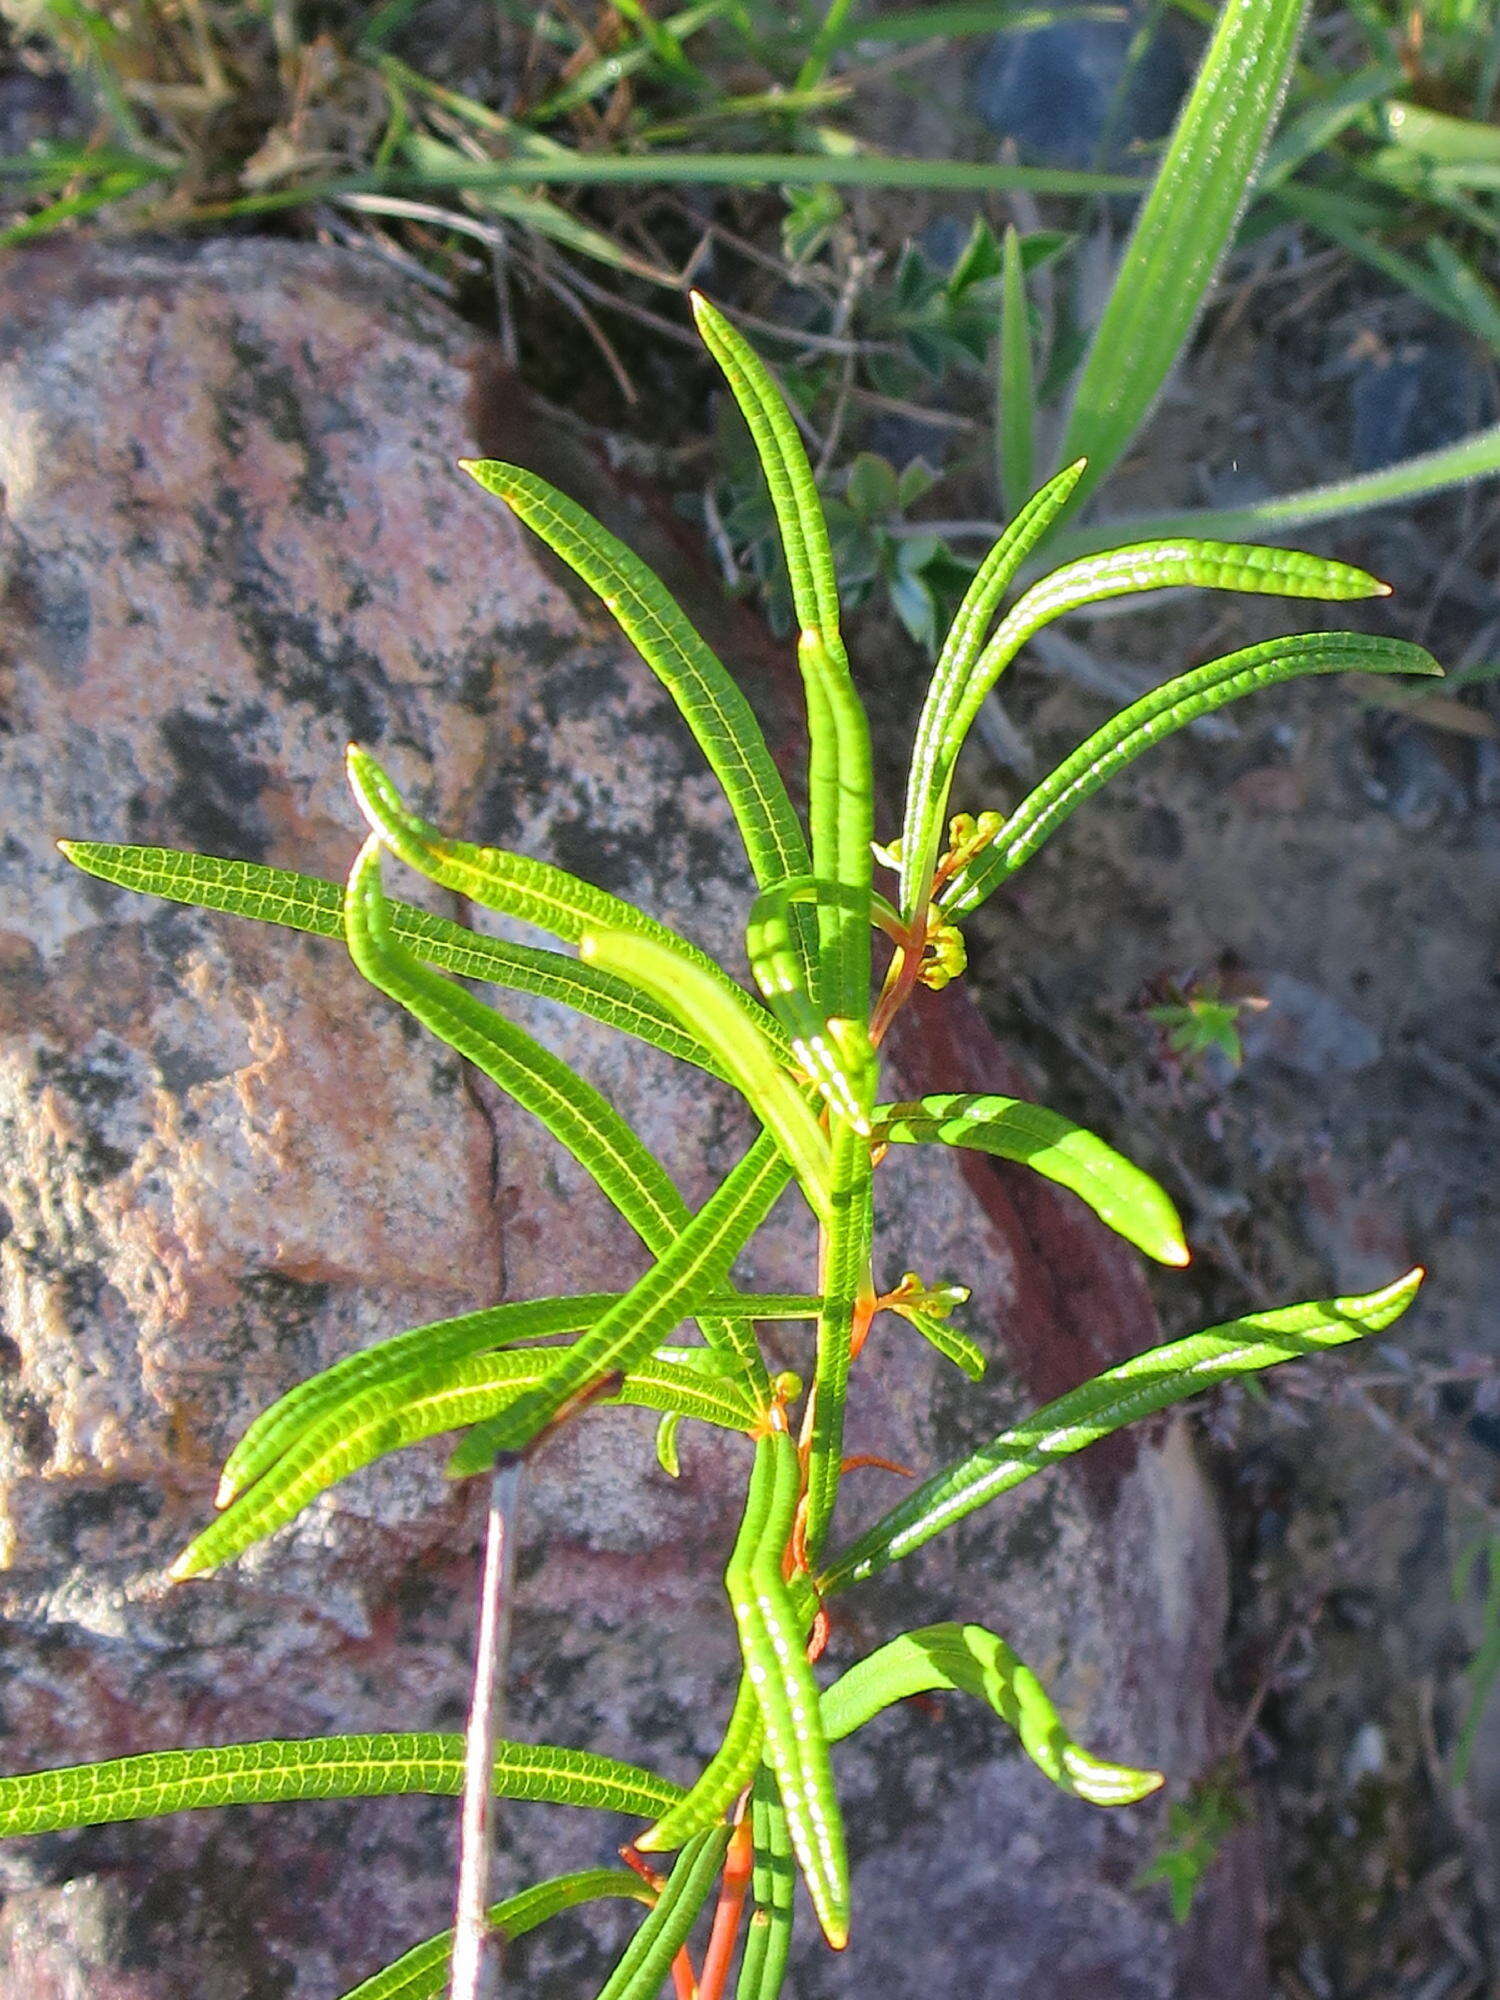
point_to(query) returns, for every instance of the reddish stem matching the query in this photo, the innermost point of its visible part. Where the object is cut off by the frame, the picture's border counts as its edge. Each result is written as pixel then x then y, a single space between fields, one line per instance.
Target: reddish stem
pixel 737 1868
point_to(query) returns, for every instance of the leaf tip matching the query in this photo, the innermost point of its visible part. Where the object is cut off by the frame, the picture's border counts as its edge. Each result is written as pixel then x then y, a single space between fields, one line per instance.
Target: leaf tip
pixel 1176 1253
pixel 187 1564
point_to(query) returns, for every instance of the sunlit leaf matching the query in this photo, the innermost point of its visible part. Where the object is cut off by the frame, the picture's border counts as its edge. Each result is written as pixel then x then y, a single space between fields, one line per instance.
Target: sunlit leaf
pixel 967 1659
pixel 1119 1396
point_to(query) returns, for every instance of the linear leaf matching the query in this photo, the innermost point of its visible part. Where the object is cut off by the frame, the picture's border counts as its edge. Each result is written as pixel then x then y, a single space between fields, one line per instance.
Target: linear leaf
pixel 428 1347
pixel 578 1116
pixel 320 1767
pixel 768 1935
pixel 773 1635
pixel 779 972
pixel 534 892
pixel 1473 457
pixel 840 787
pixel 307 903
pixel 721 1781
pixel 694 1263
pixel 794 493
pixel 1150 566
pixel 846 1284
pixel 403 1408
pixel 422 1972
pixel 938 740
pixel 841 807
pixel 1118 1192
pixel 713 707
pixel 732 1029
pixel 422 1346
pixel 951 1342
pixel 1159 714
pixel 1184 228
pixel 1119 1396
pixel 967 1659
pixel 648 1956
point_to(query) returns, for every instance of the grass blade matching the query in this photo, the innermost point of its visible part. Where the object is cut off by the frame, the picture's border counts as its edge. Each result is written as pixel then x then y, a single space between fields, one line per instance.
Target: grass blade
pixel 1474 457
pixel 422 1972
pixel 1015 392
pixel 1119 1396
pixel 307 903
pixel 1159 714
pixel 319 1767
pixel 1185 226
pixel 967 1659
pixel 1118 1192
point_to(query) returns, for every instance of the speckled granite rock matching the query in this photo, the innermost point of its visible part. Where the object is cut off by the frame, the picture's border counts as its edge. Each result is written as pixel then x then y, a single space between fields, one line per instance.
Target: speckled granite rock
pixel 233 537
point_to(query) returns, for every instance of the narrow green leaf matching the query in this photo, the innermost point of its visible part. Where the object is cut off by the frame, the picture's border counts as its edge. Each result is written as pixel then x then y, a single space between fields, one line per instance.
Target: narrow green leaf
pixel 403 1408
pixel 425 1348
pixel 846 1281
pixel 648 1957
pixel 741 1048
pixel 422 1973
pixel 1119 1396
pixel 769 170
pixel 1474 457
pixel 967 1659
pixel 773 1636
pixel 1184 228
pixel 780 975
pixel 320 1767
pixel 721 719
pixel 721 1781
pixel 1158 714
pixel 666 1445
pixel 841 804
pixel 840 787
pixel 768 1935
pixel 951 1342
pixel 1014 388
pixel 307 903
pixel 429 1346
pixel 694 1263
pixel 938 740
pixel 532 891
pixel 1117 1191
pixel 579 1117
pixel 794 494
pixel 530 209
pixel 1147 566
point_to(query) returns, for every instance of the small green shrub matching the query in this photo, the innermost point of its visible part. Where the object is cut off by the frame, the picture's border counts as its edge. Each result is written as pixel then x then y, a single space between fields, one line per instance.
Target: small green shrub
pixel 804 1053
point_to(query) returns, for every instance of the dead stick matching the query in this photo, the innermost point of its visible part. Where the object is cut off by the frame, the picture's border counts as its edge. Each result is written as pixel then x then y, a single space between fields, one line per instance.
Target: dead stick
pixel 475 1971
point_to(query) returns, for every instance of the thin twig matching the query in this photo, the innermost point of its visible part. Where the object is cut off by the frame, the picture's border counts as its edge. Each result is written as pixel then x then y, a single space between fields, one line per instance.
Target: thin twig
pixel 475 1972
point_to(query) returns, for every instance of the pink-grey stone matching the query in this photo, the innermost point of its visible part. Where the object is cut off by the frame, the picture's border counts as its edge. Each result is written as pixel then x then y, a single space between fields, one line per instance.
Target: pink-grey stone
pixel 233 537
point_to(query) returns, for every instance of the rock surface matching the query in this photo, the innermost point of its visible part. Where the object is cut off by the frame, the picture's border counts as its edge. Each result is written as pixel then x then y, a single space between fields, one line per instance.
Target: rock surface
pixel 233 537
